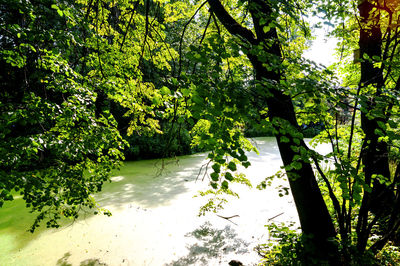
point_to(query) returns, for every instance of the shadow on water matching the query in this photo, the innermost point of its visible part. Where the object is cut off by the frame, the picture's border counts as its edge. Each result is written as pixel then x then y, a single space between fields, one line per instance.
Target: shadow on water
pixel 89 262
pixel 211 244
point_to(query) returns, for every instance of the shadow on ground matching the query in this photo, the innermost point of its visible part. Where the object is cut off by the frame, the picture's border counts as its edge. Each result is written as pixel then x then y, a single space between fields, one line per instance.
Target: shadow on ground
pixel 212 244
pixel 89 262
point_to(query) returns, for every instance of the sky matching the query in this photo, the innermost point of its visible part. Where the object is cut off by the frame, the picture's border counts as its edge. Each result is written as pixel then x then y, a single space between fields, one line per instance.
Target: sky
pixel 323 48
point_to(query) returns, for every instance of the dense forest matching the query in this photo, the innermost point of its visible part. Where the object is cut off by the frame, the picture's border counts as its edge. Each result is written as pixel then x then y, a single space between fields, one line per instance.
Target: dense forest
pixel 87 84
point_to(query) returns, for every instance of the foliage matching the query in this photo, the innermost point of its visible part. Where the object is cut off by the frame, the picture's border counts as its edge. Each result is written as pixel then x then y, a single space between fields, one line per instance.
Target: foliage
pixel 284 246
pixel 357 185
pixel 176 142
pixel 63 63
pixel 360 119
pixel 78 73
pixel 57 146
pixel 287 246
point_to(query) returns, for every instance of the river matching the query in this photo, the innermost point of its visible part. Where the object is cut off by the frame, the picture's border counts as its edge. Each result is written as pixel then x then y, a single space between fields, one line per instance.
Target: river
pixel 154 219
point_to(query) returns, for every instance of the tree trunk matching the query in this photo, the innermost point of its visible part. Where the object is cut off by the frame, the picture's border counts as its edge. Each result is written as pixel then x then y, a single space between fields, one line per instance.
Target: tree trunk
pixel 375 153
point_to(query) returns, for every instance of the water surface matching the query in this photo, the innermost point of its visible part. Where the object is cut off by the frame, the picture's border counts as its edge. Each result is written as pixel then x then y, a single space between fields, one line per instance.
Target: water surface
pixel 155 220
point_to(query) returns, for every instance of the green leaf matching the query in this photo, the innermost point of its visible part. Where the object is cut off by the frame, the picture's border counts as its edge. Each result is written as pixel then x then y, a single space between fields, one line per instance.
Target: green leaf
pixel 228 176
pixel 185 92
pixel 232 166
pixel 156 100
pixel 246 164
pixel 214 176
pixel 284 139
pixel 165 91
pixel 60 13
pixel 296 165
pixel 216 167
pixel 266 29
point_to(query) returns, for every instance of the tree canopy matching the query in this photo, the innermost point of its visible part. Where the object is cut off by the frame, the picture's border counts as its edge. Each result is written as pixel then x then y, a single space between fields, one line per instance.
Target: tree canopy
pixel 76 71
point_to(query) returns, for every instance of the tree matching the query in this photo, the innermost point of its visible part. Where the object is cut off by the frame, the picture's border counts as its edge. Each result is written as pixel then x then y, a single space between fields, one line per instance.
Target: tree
pixel 376 114
pixel 361 189
pixel 51 122
pixel 67 63
pixel 374 166
pixel 62 65
pixel 265 56
pixel 365 151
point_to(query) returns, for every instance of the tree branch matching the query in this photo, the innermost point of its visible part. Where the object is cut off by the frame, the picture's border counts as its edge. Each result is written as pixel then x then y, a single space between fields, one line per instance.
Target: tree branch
pixel 183 34
pixel 228 218
pixel 230 23
pixel 129 23
pixel 332 195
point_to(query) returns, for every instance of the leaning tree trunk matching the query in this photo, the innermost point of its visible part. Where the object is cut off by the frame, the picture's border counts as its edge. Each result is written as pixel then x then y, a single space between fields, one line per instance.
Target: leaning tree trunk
pixel 313 214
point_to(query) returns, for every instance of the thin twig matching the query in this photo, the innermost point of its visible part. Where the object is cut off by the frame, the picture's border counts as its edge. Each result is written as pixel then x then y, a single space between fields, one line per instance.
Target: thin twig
pixel 275 216
pixel 228 218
